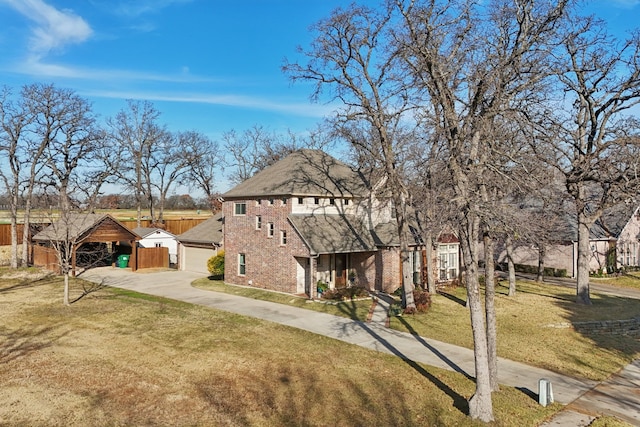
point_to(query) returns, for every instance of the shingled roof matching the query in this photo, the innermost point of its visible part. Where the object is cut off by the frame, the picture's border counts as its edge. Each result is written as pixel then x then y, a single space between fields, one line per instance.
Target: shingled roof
pixel 207 232
pixel 325 234
pixel 77 227
pixel 303 173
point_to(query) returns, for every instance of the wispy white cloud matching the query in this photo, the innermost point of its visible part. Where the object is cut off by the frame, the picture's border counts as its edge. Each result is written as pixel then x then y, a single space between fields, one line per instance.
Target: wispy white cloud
pixel 135 8
pixel 53 28
pixel 230 100
pixel 34 66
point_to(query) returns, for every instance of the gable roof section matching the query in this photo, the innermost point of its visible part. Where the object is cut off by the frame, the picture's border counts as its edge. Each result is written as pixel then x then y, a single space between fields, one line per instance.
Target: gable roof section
pixel 386 234
pixel 207 232
pixel 303 173
pixel 326 234
pixel 148 231
pixel 86 227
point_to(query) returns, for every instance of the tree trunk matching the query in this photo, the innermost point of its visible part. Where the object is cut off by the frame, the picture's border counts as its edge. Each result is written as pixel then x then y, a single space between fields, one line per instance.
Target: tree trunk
pixel 25 231
pixel 431 270
pixel 65 299
pixel 490 311
pixel 541 254
pixel 480 405
pixel 582 282
pixel 511 267
pixel 14 231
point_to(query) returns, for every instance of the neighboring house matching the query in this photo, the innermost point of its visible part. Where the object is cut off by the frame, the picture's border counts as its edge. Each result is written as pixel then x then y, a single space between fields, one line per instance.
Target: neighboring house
pixel 158 238
pixel 310 218
pixel 93 239
pixel 614 244
pixel 197 245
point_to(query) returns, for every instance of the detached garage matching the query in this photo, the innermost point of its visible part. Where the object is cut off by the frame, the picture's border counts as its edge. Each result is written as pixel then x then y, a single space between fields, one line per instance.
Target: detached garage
pixel 199 244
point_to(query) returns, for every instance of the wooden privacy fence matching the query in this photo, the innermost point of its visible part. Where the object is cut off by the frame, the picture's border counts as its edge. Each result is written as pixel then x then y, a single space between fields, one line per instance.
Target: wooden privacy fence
pixel 5 234
pixel 173 226
pixel 152 258
pixel 45 257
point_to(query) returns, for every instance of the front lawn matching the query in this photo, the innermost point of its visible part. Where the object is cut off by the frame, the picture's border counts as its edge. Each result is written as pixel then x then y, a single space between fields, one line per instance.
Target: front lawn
pixel 121 358
pixel 534 328
pixel 627 280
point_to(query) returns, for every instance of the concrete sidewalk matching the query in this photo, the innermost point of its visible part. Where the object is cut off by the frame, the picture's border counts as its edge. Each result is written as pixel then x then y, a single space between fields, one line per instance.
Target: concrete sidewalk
pixel 373 335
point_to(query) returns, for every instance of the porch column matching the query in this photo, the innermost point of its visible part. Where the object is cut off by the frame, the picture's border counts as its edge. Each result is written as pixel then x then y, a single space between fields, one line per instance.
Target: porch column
pixel 133 261
pixel 73 260
pixel 313 268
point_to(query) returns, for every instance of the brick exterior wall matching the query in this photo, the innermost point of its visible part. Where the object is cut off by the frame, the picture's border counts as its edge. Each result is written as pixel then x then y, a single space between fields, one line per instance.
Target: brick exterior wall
pixel 269 264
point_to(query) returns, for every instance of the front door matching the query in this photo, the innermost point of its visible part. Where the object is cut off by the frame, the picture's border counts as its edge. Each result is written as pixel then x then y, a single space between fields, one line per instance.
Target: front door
pixel 341 270
pixel 301 275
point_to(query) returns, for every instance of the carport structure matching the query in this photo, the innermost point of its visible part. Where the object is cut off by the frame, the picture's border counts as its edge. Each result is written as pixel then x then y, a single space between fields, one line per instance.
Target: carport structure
pixel 76 230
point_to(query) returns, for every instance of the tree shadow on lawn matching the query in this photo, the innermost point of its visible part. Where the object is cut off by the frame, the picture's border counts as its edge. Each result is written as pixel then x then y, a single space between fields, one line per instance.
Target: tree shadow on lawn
pixel 24 283
pixel 606 308
pixel 453 298
pixel 459 401
pixel 22 342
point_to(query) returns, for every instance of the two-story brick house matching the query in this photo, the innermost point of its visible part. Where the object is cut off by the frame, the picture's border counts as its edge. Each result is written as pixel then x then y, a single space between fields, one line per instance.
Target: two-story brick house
pixel 310 218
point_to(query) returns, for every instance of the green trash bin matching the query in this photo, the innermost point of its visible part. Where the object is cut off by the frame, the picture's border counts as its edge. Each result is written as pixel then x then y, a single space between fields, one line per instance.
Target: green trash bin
pixel 123 261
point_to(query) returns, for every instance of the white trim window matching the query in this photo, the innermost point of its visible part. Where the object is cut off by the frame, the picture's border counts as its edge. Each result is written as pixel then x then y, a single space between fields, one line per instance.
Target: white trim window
pixel 270 229
pixel 448 261
pixel 258 222
pixel 242 264
pixel 239 209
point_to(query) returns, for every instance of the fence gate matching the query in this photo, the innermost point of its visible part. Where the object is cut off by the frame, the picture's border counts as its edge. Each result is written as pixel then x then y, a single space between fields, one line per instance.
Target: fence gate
pixel 152 258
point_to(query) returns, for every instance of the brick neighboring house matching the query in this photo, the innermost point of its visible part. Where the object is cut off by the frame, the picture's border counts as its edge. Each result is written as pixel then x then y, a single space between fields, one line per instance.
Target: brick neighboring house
pixel 614 243
pixel 310 218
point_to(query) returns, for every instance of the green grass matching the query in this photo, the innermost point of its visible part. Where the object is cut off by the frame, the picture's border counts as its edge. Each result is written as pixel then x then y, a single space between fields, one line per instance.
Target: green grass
pixel 628 280
pixel 532 328
pixel 356 309
pixel 121 358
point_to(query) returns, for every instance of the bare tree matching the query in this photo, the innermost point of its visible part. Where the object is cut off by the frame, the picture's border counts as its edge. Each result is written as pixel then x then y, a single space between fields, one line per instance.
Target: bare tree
pixel 350 58
pixel 595 143
pixel 135 134
pixel 72 147
pixel 203 162
pixel 473 63
pixel 253 150
pixel 167 167
pixel 13 122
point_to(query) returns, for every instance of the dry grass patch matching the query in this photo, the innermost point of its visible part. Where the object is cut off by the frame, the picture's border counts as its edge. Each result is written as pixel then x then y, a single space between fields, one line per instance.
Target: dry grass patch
pixel 534 328
pixel 627 280
pixel 120 358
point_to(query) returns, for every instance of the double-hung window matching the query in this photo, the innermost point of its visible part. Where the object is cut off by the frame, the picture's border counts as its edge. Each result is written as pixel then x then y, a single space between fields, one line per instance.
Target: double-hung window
pixel 242 264
pixel 258 222
pixel 270 229
pixel 240 209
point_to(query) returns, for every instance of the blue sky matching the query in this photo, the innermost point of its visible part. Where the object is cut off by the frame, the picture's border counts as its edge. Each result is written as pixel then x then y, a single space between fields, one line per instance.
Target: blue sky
pixel 207 65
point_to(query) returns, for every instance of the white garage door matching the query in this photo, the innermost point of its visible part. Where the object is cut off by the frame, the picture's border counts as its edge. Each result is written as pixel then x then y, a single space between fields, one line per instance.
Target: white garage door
pixel 195 259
